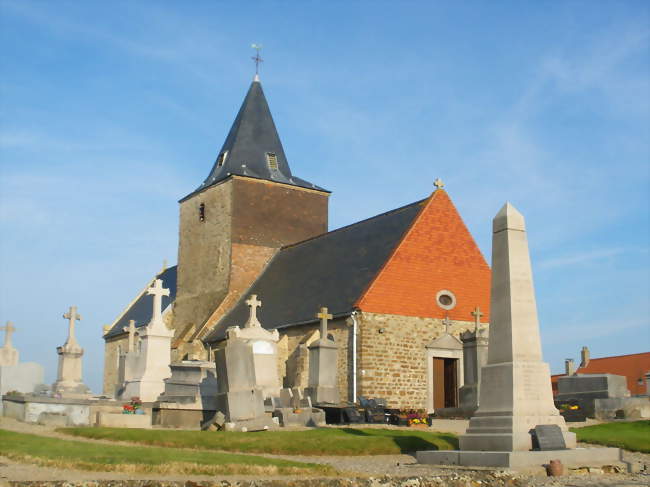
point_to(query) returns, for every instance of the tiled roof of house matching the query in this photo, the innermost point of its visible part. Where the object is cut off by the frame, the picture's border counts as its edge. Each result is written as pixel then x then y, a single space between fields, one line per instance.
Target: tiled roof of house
pixel 633 367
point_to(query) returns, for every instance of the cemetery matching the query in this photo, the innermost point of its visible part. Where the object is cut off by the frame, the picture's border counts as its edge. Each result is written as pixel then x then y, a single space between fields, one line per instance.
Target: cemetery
pixel 236 406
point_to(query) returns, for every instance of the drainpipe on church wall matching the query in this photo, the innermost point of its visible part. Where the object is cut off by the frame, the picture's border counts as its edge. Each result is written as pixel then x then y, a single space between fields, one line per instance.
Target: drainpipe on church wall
pixel 353 316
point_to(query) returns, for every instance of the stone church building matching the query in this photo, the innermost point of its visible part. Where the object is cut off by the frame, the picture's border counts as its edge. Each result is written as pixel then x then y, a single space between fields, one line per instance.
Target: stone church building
pixel 401 285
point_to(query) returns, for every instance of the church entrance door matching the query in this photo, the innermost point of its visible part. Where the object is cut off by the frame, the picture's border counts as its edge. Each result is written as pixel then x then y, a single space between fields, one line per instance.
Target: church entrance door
pixel 445 382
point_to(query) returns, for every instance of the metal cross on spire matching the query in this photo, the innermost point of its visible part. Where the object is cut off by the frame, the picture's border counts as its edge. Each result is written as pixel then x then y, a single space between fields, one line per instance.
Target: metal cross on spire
pixel 257 59
pixel 438 183
pixel 9 329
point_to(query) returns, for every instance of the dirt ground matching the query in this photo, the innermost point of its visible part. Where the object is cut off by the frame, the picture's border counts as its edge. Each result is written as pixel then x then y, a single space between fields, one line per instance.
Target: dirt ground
pixel 375 466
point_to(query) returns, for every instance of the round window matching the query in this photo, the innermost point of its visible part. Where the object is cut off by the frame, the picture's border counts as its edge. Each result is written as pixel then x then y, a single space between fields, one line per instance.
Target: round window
pixel 446 299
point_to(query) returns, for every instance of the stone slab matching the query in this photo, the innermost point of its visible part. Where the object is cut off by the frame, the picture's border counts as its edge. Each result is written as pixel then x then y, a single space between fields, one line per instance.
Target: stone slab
pixel 549 437
pixel 579 457
pixel 110 420
pixel 23 377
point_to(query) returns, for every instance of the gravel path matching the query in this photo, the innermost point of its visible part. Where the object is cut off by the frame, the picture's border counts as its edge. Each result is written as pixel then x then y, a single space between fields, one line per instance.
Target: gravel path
pixel 378 465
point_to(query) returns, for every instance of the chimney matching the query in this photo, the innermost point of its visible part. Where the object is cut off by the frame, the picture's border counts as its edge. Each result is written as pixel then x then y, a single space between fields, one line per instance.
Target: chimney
pixel 569 366
pixel 584 354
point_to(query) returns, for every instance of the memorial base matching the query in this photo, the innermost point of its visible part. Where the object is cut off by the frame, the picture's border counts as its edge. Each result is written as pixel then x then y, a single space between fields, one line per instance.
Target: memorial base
pixel 579 457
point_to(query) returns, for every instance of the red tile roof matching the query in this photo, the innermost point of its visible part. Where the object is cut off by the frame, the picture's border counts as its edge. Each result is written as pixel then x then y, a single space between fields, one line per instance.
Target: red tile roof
pixel 437 253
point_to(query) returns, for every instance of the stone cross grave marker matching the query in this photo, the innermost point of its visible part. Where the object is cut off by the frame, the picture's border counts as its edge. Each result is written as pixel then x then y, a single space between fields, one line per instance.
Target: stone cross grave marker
pixel 447 322
pixel 158 292
pixel 549 437
pixel 131 330
pixel 324 316
pixel 477 318
pixel 72 316
pixel 253 303
pixel 8 329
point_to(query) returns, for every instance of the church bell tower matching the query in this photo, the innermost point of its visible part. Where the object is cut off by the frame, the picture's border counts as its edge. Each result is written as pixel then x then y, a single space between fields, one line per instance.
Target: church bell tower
pixel 248 207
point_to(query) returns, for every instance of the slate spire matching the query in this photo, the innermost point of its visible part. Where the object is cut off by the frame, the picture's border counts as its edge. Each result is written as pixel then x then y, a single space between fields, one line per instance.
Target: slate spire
pixel 252 147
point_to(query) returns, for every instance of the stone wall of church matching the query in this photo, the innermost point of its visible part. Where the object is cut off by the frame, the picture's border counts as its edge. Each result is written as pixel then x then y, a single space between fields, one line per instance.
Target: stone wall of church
pixel 392 359
pixel 112 350
pixel 204 255
pixel 295 361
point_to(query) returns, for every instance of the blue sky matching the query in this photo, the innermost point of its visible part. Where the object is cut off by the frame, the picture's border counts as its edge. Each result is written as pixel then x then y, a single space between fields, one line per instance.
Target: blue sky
pixel 112 111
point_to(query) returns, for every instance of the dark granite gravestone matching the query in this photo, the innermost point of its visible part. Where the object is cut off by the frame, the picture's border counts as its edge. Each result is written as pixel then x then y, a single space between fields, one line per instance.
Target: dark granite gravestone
pixel 548 437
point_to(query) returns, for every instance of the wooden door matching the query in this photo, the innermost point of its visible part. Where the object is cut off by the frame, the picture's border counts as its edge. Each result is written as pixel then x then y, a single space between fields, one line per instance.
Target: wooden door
pixel 438 383
pixel 451 382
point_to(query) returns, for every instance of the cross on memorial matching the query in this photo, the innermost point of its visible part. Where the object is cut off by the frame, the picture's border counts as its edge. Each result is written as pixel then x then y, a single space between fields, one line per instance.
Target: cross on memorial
pixel 324 316
pixel 447 322
pixel 71 316
pixel 9 329
pixel 158 292
pixel 131 330
pixel 477 318
pixel 253 304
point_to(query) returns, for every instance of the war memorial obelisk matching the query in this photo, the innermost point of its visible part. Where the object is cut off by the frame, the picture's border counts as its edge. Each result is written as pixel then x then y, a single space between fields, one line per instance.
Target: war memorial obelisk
pixel 515 386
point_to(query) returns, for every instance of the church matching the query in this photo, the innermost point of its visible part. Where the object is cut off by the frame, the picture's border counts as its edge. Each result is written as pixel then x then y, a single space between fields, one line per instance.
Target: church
pixel 401 286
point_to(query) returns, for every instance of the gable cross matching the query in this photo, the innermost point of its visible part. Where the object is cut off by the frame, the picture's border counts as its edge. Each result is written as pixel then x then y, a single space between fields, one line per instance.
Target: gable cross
pixel 158 292
pixel 253 303
pixel 447 322
pixel 9 329
pixel 477 318
pixel 324 316
pixel 71 316
pixel 438 183
pixel 131 330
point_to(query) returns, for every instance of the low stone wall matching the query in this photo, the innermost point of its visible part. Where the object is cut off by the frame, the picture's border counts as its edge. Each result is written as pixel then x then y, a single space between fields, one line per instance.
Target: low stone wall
pixel 112 420
pixel 632 407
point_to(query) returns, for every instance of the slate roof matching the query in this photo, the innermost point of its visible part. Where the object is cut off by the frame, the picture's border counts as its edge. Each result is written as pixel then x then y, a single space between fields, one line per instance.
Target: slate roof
pixel 141 309
pixel 251 137
pixel 332 270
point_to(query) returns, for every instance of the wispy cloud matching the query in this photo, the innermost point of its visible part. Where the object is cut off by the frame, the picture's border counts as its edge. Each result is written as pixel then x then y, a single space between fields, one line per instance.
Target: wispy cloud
pixel 579 258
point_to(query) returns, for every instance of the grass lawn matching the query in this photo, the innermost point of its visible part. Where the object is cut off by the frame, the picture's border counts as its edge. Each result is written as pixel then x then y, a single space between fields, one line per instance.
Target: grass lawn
pixel 634 436
pixel 71 454
pixel 321 441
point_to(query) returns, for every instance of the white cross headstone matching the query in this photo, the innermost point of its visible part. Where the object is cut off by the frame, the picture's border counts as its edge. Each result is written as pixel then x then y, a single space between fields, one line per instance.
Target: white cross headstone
pixel 158 292
pixel 324 316
pixel 253 303
pixel 477 318
pixel 71 316
pixel 9 329
pixel 131 330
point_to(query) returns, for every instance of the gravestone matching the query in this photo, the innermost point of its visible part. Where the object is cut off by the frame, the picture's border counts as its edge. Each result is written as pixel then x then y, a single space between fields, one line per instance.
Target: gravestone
pixel 69 382
pixel 323 369
pixel 548 437
pixel 8 354
pixel 149 366
pixel 586 388
pixel 22 377
pixel 239 397
pixel 265 349
pixel 475 345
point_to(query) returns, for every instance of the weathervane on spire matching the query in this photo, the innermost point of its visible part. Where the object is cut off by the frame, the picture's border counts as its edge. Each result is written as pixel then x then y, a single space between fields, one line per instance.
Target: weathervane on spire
pixel 257 58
